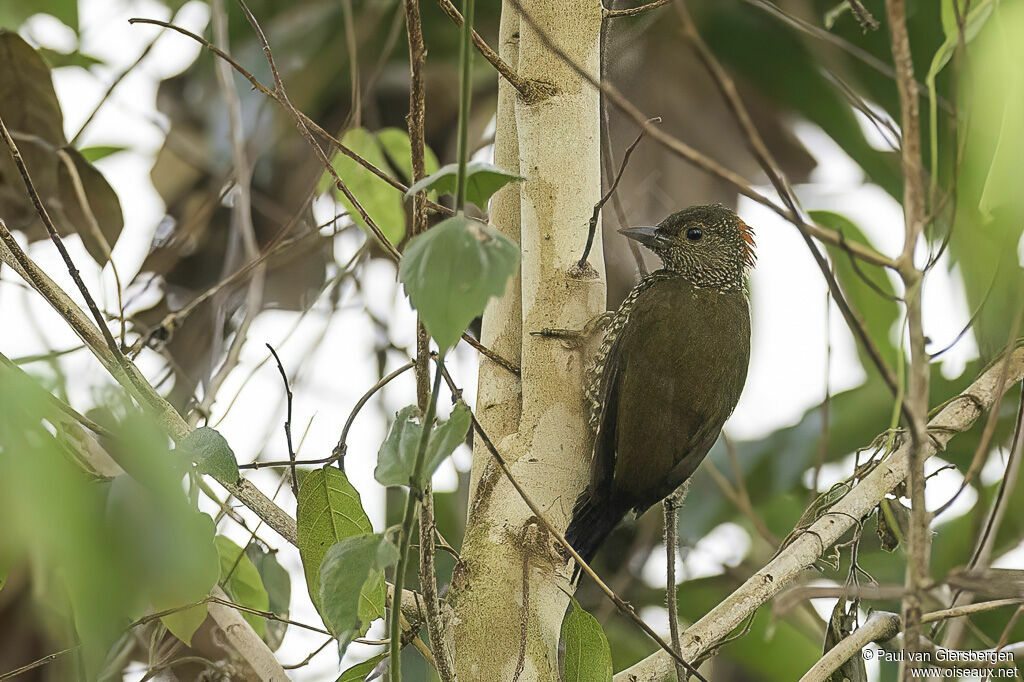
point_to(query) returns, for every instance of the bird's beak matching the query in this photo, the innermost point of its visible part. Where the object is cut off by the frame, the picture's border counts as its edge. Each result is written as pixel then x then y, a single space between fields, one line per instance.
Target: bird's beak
pixel 647 235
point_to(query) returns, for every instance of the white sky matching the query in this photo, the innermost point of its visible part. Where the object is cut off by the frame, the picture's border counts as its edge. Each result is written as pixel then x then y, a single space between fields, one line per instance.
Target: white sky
pixel 788 364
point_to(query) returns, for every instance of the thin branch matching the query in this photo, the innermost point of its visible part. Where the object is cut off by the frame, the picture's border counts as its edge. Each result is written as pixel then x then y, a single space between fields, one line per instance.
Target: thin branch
pixel 592 227
pixel 288 419
pixel 916 400
pixel 49 658
pixel 670 507
pixel 532 92
pixel 957 416
pixel 634 11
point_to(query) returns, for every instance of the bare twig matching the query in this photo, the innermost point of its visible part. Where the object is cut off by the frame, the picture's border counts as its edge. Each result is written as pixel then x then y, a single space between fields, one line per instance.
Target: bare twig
pixel 592 228
pixel 634 11
pixel 670 506
pixel 49 658
pixel 288 419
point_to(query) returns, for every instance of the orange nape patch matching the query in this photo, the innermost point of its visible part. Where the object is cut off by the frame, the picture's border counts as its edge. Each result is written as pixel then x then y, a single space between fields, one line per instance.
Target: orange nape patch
pixel 747 233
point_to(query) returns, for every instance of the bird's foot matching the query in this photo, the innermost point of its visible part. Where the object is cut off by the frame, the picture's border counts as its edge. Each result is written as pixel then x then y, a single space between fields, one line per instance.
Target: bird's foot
pixel 577 337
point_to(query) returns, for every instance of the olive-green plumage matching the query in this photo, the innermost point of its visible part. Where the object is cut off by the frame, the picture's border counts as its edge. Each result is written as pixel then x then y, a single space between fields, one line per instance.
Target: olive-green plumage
pixel 670 369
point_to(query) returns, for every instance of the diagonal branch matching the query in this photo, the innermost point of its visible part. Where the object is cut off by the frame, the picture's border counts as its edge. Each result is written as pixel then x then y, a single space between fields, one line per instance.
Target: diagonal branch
pixel 532 92
pixel 956 417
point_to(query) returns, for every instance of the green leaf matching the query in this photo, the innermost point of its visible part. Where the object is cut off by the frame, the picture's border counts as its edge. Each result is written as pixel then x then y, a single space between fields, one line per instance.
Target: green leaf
pixel 348 568
pixel 242 582
pixel 360 671
pixel 379 199
pixel 482 180
pixel 94 154
pixel 588 658
pixel 279 591
pixel 452 270
pixel 397 455
pixel 13 12
pixel 445 438
pixel 329 510
pixel 397 452
pixel 399 150
pixel 211 454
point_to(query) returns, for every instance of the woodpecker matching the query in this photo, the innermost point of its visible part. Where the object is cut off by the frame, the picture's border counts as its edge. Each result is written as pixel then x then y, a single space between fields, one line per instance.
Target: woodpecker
pixel 669 370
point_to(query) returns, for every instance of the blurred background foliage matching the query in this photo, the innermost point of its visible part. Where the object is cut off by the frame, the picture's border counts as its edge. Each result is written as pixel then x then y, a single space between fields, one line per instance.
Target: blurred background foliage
pixel 345 64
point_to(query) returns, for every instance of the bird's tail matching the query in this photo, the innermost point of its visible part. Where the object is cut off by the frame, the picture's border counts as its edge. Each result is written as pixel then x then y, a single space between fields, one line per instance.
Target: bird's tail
pixel 591 523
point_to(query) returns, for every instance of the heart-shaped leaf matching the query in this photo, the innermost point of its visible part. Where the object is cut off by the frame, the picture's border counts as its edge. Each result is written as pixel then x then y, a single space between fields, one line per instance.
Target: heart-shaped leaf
pixel 452 270
pixel 482 180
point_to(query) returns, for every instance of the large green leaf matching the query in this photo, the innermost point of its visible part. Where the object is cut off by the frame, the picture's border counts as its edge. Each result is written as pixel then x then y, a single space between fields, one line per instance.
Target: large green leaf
pixel 482 180
pixel 588 658
pixel 242 582
pixel 329 510
pixel 381 201
pixel 397 456
pixel 452 270
pixel 349 568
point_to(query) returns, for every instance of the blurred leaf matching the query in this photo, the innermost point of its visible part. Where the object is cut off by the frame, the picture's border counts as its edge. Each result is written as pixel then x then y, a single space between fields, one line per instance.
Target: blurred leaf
pixel 986 236
pixel 211 454
pixel 329 510
pixel 397 456
pixel 588 657
pixel 176 550
pixel 360 671
pixel 381 201
pixel 94 154
pixel 482 180
pixel 399 150
pixel 279 590
pixel 103 205
pixel 58 60
pixel 14 12
pixel 242 582
pixel 880 313
pixel 348 568
pixel 452 270
pixel 31 112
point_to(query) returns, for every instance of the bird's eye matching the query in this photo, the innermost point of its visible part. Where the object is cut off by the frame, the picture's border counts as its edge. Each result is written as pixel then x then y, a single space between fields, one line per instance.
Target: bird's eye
pixel 694 234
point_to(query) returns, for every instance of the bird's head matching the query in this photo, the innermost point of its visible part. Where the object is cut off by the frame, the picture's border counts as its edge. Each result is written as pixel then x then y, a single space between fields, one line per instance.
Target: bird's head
pixel 708 245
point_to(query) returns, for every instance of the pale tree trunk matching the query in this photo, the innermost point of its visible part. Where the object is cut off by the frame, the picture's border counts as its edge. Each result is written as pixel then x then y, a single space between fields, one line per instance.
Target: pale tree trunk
pixel 537 421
